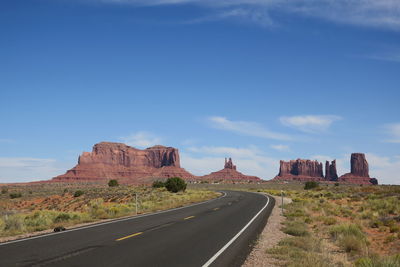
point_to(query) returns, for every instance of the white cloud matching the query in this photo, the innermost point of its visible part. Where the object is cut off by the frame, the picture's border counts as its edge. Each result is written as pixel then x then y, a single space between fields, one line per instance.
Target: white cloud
pixel 386 169
pixel 246 128
pixel 249 160
pixel 141 139
pixel 27 169
pixel 370 13
pixel 282 148
pixel 393 130
pixel 310 123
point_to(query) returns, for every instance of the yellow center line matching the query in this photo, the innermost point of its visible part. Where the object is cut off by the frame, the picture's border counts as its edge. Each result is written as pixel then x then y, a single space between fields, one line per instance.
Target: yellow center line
pixel 132 235
pixel 216 209
pixel 190 217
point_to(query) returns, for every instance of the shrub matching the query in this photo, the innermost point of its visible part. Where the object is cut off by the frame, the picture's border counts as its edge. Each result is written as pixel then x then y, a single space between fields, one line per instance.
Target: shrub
pixel 62 217
pixel 329 220
pixel 336 184
pixel 78 193
pixel 4 190
pixel 158 184
pixel 295 228
pixel 113 183
pixel 350 237
pixel 15 195
pixel 376 261
pixel 175 184
pixel 310 185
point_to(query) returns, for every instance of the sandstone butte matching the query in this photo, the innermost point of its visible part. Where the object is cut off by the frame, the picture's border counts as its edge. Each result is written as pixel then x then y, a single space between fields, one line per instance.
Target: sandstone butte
pixel 129 165
pixel 126 164
pixel 308 170
pixel 229 173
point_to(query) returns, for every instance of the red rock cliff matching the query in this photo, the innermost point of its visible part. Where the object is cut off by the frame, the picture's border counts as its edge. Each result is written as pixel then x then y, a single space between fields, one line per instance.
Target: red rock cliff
pixel 127 164
pixel 359 173
pixel 300 169
pixel 330 171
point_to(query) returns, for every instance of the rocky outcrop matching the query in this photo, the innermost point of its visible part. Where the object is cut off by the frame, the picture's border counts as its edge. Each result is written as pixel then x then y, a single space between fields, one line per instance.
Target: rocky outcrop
pixel 229 174
pixel 229 164
pixel 330 171
pixel 300 170
pixel 359 173
pixel 127 164
pixel 307 170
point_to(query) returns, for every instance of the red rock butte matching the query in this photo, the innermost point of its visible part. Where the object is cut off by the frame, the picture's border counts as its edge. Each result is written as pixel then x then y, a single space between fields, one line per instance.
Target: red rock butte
pixel 307 170
pixel 229 173
pixel 126 164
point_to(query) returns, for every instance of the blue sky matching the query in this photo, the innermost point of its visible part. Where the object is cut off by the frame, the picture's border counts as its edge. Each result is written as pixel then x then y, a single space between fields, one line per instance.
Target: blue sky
pixel 259 81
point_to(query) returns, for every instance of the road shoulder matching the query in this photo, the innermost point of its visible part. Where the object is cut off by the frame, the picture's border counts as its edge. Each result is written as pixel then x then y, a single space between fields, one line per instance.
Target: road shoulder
pixel 268 238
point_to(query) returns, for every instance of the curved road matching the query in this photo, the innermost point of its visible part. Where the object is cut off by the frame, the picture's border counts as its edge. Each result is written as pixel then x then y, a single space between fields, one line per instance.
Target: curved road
pixel 219 232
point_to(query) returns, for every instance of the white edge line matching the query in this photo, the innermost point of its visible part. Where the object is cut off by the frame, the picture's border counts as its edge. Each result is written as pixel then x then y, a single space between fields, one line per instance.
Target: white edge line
pixel 113 221
pixel 213 258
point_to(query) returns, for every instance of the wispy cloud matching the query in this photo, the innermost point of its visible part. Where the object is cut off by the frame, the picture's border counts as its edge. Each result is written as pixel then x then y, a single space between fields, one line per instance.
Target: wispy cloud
pixel 246 128
pixel 379 13
pixel 26 169
pixel 5 140
pixel 310 123
pixel 393 130
pixel 281 148
pixel 141 139
pixel 249 160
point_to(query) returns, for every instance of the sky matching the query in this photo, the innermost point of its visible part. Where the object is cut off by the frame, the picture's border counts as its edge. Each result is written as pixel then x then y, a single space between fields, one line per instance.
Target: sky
pixel 257 80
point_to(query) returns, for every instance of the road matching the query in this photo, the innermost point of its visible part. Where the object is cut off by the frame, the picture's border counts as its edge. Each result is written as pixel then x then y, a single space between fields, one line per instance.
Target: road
pixel 215 233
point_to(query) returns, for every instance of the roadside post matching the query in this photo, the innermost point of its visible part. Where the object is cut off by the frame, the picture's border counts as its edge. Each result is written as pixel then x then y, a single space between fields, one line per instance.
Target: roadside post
pixel 282 201
pixel 136 203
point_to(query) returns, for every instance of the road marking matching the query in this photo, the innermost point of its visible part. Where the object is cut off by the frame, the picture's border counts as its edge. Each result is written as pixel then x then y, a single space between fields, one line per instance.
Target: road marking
pixel 190 217
pixel 213 258
pixel 113 221
pixel 129 236
pixel 216 209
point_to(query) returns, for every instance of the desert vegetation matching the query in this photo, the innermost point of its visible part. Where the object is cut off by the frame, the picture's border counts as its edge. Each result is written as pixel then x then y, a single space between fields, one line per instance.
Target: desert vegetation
pixel 49 206
pixel 331 225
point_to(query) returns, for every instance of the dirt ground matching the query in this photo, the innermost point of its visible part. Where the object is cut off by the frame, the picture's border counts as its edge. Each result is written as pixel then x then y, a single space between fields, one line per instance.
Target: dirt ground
pixel 269 237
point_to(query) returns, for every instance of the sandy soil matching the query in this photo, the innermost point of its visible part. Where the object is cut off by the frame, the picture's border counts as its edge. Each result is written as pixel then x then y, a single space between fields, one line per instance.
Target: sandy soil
pixel 269 237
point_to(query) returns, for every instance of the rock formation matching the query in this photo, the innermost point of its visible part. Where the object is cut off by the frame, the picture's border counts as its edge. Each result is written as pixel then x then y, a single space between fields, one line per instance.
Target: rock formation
pixel 229 164
pixel 359 171
pixel 330 171
pixel 125 163
pixel 307 170
pixel 300 170
pixel 229 173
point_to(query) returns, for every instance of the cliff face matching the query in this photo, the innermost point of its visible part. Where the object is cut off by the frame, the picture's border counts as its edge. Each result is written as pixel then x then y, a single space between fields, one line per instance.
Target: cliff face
pixel 229 173
pixel 127 164
pixel 330 171
pixel 118 154
pixel 300 169
pixel 307 170
pixel 359 173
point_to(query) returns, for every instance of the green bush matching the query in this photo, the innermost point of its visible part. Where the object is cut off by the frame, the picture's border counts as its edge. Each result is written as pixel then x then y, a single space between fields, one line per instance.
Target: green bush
pixel 310 185
pixel 15 195
pixel 175 184
pixel 350 237
pixel 158 184
pixel 78 193
pixel 4 190
pixel 113 183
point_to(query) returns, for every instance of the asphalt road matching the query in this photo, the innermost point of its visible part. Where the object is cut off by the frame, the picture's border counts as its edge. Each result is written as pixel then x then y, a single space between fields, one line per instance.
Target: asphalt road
pixel 215 233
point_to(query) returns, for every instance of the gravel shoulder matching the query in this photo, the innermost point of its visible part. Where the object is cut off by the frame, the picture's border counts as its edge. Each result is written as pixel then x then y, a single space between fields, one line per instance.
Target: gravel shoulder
pixel 269 237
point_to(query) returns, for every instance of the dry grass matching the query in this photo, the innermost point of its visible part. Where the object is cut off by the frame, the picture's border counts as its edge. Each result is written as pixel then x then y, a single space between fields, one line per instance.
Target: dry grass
pixel 47 206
